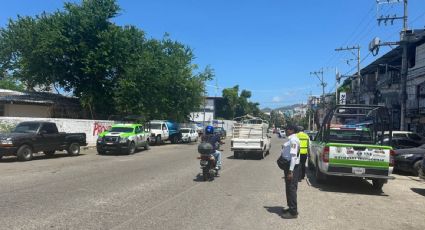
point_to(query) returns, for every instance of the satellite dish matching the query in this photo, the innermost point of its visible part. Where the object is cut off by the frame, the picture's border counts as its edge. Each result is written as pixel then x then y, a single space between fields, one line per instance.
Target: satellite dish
pixel 374 46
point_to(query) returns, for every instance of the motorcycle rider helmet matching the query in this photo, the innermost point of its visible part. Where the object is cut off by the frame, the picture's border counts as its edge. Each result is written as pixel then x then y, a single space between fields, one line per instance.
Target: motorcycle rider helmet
pixel 209 130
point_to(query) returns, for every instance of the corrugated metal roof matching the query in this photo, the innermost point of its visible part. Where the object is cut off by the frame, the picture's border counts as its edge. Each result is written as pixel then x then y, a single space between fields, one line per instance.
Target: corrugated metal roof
pixel 10 96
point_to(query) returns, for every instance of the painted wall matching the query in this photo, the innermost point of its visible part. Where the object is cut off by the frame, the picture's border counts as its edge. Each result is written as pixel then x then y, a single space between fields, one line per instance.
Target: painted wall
pixel 92 128
pixel 16 110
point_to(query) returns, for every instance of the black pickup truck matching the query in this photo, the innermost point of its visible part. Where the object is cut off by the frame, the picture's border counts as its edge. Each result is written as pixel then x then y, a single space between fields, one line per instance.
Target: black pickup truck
pixel 31 137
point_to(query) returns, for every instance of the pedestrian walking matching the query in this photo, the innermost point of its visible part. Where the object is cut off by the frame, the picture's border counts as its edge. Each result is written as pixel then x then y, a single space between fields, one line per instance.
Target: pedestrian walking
pixel 289 162
pixel 304 150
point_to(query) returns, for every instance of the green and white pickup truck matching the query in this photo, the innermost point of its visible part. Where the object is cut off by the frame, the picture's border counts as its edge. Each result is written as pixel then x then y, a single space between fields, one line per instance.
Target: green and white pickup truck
pixel 348 144
pixel 124 138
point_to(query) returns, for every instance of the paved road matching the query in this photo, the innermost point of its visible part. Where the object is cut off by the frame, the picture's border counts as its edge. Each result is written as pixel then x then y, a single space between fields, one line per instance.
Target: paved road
pixel 159 189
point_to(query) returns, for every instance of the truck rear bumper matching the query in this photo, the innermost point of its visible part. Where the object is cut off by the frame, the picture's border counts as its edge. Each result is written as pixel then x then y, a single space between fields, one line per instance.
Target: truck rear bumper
pixel 246 149
pixel 367 176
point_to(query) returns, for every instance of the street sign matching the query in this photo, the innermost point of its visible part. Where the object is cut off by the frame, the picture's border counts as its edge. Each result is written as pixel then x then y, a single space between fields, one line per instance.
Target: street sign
pixel 342 98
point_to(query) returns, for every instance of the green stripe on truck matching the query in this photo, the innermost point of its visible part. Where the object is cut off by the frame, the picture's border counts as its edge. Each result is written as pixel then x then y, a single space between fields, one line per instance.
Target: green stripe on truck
pixel 358 163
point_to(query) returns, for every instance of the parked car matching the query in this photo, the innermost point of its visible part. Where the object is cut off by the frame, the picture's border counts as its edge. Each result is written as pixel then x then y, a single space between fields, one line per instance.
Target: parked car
pixel 406 135
pixel 220 131
pixel 39 136
pixel 281 133
pixel 410 160
pixel 401 143
pixel 123 138
pixel 189 135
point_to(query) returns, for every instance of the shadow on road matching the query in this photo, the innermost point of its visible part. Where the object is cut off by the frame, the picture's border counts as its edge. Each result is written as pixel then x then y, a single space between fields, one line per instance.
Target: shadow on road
pixel 420 191
pixel 38 156
pixel 200 178
pixel 344 185
pixel 274 209
pixel 121 154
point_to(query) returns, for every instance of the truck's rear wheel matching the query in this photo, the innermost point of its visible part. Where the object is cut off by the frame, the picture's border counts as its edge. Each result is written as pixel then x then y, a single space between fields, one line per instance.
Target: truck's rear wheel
pixel 377 184
pixel 49 153
pixel 24 153
pixel 158 140
pixel 236 154
pixel 320 177
pixel 73 149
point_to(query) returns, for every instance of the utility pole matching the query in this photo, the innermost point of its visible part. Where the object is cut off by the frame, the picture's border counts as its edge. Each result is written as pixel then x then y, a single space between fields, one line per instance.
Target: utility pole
pixel 322 82
pixel 404 41
pixel 358 67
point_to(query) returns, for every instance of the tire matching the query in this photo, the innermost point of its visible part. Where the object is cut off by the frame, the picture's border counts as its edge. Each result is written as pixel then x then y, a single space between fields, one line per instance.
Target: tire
pixel 101 152
pixel 262 155
pixel 190 140
pixel 205 174
pixel 417 167
pixel 147 147
pixel 320 177
pixel 310 165
pixel 236 155
pixel 131 148
pixel 73 149
pixel 158 140
pixel 24 153
pixel 377 184
pixel 49 153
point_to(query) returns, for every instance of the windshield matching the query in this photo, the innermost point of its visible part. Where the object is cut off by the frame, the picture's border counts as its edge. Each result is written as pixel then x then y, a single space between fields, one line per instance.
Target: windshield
pixel 155 126
pixel 350 136
pixel 26 128
pixel 184 130
pixel 121 130
pixel 414 136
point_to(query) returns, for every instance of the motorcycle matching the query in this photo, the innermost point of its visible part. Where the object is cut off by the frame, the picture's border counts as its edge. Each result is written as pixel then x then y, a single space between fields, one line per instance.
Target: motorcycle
pixel 207 161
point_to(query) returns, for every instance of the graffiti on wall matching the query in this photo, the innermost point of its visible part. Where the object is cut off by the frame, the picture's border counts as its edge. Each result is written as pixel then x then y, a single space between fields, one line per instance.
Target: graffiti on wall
pixel 100 127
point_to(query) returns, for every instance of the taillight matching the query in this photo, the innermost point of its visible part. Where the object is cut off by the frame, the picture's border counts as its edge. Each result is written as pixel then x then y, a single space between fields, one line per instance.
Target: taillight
pixel 392 154
pixel 325 154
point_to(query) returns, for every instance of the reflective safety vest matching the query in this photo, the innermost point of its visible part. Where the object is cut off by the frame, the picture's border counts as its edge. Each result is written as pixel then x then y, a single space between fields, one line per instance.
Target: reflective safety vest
pixel 304 141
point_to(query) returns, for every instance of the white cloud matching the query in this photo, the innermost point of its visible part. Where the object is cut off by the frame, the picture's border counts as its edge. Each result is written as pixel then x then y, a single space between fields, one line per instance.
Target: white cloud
pixel 276 99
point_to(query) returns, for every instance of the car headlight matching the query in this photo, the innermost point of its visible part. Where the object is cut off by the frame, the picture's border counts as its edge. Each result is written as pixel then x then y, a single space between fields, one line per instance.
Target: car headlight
pixel 99 139
pixel 123 139
pixel 7 141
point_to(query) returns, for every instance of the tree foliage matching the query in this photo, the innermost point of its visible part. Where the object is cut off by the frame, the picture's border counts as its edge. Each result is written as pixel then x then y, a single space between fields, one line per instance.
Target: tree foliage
pixel 112 69
pixel 236 105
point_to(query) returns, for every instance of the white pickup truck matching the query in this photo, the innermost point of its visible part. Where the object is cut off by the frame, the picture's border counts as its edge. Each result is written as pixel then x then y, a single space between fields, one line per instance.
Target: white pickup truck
pixel 251 136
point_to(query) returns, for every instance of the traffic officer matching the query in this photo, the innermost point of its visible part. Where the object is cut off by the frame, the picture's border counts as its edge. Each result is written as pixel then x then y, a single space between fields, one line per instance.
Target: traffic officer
pixel 304 149
pixel 290 154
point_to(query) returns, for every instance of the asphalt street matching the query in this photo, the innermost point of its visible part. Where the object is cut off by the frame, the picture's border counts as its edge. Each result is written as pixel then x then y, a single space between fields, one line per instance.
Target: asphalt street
pixel 161 189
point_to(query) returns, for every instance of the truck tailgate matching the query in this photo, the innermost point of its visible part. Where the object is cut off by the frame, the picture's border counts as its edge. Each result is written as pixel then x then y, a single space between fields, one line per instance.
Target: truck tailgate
pixel 359 159
pixel 247 144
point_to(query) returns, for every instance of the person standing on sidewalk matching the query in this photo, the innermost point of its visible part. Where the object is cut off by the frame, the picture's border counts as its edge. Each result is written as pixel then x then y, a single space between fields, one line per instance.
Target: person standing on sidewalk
pixel 304 148
pixel 290 155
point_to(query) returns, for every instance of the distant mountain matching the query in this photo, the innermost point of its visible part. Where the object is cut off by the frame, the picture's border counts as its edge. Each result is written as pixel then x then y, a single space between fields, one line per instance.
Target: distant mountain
pixel 288 107
pixel 266 110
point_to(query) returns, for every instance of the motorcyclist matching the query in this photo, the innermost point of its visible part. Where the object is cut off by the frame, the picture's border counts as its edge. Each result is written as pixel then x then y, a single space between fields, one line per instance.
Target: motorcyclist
pixel 214 140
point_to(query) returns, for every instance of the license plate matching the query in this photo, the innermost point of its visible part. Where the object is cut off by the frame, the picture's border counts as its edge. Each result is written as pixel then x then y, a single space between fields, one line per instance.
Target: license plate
pixel 359 171
pixel 204 162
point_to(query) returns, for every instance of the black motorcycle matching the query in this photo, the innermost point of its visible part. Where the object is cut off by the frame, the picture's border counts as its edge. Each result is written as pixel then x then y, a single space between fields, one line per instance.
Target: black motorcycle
pixel 207 161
